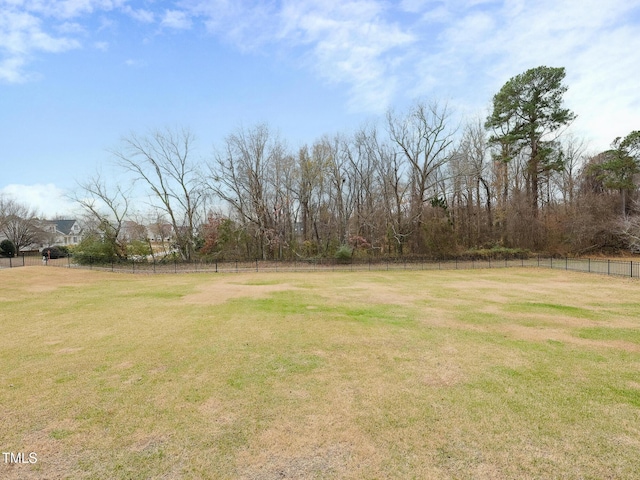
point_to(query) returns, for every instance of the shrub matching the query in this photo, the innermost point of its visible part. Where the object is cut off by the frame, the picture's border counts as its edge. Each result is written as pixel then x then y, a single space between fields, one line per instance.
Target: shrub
pixel 495 253
pixel 55 252
pixel 7 248
pixel 93 249
pixel 344 254
pixel 138 249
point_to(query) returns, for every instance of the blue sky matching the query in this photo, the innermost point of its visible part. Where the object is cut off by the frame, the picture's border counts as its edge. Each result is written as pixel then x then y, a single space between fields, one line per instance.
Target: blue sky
pixel 77 75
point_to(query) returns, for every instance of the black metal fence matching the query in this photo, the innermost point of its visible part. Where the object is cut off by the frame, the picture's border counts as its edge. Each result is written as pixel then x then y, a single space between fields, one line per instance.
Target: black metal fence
pixel 623 268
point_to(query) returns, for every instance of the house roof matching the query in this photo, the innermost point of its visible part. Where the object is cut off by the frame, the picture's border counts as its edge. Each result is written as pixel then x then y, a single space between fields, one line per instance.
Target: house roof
pixel 64 226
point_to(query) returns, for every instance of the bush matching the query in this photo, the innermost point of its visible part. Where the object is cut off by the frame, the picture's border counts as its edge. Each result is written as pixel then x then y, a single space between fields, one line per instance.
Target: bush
pixel 344 254
pixel 495 253
pixel 7 248
pixel 93 249
pixel 55 252
pixel 138 249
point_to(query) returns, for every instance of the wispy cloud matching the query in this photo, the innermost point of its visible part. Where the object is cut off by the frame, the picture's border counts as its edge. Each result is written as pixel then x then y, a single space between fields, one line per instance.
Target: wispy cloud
pixel 351 43
pixel 21 36
pixel 176 19
pixel 133 63
pixel 383 52
pixel 29 28
pixel 102 46
pixel 47 199
pixel 594 41
pixel 139 14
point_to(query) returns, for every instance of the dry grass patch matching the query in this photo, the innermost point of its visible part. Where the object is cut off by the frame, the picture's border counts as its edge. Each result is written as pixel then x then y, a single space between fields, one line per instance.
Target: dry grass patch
pixel 510 373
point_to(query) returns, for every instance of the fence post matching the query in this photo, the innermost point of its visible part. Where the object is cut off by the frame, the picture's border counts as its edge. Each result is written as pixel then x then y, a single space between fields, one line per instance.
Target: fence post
pixel 456 263
pixel 216 265
pixel 23 259
pixel 175 265
pixel 551 262
pixel 608 266
pixel 589 264
pixel 256 264
pixel 133 266
pixel 236 266
pixel 566 262
pixel 538 260
pixel 10 263
pixel 631 268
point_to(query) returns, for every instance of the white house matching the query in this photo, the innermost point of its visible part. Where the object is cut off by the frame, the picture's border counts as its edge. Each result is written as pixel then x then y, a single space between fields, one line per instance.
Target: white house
pixel 62 232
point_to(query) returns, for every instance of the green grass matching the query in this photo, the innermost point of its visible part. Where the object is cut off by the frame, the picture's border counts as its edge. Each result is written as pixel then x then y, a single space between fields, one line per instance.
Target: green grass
pixel 605 333
pixel 476 374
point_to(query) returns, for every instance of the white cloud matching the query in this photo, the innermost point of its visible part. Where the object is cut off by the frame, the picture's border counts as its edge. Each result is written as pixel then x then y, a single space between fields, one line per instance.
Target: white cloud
pixel 385 52
pixel 141 15
pixel 47 200
pixel 32 27
pixel 345 42
pixel 351 43
pixel 70 28
pixel 11 70
pixel 176 19
pixel 130 62
pixel 463 51
pixel 21 36
pixel 66 9
pixel 102 46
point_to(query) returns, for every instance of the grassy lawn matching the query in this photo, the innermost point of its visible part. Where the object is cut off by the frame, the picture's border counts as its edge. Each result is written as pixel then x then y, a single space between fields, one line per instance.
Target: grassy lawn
pixel 505 373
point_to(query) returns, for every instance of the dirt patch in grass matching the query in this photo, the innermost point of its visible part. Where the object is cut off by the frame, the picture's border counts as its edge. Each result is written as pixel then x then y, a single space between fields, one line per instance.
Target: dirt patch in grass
pixel 216 293
pixel 320 463
pixel 376 292
pixel 560 335
pixel 47 279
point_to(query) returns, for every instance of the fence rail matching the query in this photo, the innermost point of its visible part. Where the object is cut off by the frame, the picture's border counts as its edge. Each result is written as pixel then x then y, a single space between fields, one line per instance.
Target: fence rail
pixel 623 268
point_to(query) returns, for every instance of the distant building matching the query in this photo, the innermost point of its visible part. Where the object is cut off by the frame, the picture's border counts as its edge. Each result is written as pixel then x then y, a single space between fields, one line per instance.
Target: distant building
pixel 160 232
pixel 61 232
pixel 131 230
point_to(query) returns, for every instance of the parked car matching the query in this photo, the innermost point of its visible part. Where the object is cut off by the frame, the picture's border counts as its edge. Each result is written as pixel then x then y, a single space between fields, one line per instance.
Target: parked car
pixel 54 252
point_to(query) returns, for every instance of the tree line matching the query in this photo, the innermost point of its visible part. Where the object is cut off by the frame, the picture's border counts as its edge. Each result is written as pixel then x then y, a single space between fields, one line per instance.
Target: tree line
pixel 414 183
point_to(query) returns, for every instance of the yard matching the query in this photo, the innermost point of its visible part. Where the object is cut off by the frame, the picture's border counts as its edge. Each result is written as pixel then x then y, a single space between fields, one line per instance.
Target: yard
pixel 496 374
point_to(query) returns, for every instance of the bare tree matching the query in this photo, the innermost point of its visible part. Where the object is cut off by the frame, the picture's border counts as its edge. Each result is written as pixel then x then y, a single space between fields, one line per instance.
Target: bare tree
pixel 310 180
pixel 107 209
pixel 472 182
pixel 567 179
pixel 240 175
pixel 19 223
pixel 425 137
pixel 368 205
pixel 628 227
pixel 161 160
